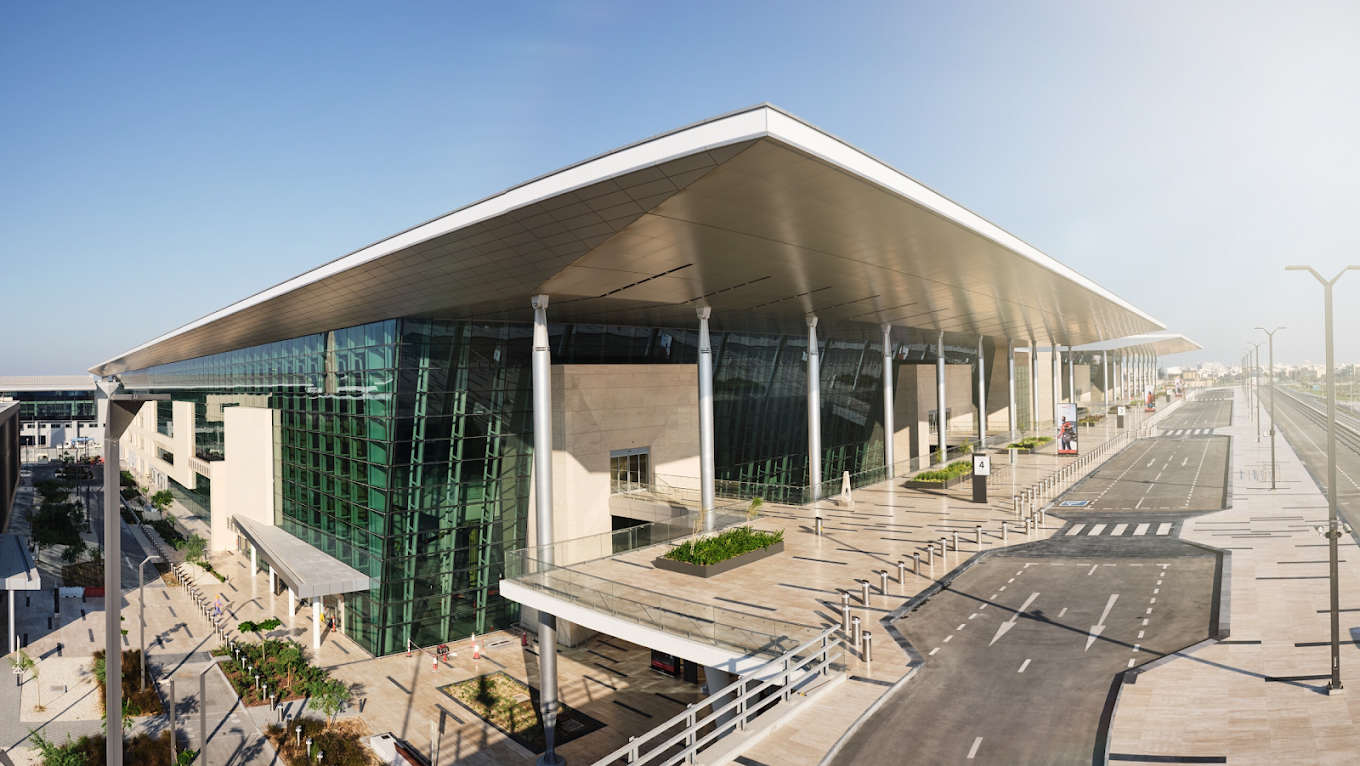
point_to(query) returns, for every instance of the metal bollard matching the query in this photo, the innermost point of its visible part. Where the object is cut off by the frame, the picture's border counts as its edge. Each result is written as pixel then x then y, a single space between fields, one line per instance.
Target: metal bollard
pixel 845 599
pixel 917 557
pixel 818 530
pixel 902 571
pixel 845 619
pixel 883 584
pixel 930 555
pixel 855 634
pixel 956 541
pixel 868 648
pixel 979 537
pixel 1005 529
pixel 1043 519
pixel 864 592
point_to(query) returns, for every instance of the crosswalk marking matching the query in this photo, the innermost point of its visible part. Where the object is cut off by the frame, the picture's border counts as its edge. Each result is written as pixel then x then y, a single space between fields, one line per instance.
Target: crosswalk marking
pixel 1097 529
pixel 1141 529
pixel 1125 529
pixel 1076 530
pixel 1163 528
pixel 1119 529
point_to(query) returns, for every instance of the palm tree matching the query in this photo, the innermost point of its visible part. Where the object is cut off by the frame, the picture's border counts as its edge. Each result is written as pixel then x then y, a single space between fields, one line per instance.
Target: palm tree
pixel 26 664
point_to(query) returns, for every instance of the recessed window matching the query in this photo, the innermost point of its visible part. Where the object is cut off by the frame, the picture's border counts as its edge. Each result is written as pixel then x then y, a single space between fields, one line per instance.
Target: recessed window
pixel 630 470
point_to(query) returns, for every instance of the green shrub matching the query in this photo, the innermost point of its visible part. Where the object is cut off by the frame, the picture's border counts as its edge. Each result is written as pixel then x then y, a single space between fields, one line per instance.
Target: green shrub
pixel 953 470
pixel 1030 442
pixel 704 551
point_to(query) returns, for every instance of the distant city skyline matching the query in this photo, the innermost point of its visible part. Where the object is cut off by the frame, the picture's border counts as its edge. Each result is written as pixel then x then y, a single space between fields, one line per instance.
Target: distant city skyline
pixel 173 160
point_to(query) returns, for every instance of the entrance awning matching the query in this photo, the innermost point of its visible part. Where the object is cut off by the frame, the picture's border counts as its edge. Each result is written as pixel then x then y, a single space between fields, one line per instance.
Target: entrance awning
pixel 16 566
pixel 308 571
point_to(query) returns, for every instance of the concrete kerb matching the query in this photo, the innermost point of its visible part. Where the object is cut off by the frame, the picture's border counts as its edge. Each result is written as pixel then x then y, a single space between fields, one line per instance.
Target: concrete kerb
pixel 918 661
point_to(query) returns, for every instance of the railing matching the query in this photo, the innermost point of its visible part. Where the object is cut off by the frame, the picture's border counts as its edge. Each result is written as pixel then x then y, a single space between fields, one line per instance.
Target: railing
pixel 734 707
pixel 592 547
pixel 740 632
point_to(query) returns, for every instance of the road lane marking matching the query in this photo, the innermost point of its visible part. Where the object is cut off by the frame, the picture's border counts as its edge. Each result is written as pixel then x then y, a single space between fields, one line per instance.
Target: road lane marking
pixel 1163 529
pixel 962 626
pixel 1145 621
pixel 1135 647
pixel 1023 665
pixel 1002 588
pixel 1094 567
pixel 1140 633
pixel 1140 503
pixel 1007 625
pixel 948 638
pixel 1149 611
pixel 1118 530
pixel 1150 462
pixel 1095 530
pixel 1153 601
pixel 1141 530
pixel 1075 530
pixel 984 606
pixel 1130 662
pixel 932 651
pixel 1063 612
pixel 1156 590
pixel 972 751
pixel 1097 629
pixel 1011 580
pixel 971 616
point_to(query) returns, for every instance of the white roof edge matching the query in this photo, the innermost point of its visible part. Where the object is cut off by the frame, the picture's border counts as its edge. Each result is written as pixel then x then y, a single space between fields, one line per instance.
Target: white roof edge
pixel 1146 339
pixel 752 122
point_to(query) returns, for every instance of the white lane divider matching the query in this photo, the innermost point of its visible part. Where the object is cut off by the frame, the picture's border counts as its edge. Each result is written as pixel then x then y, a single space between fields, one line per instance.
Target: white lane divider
pixel 1023 665
pixel 972 751
pixel 1008 624
pixel 1096 630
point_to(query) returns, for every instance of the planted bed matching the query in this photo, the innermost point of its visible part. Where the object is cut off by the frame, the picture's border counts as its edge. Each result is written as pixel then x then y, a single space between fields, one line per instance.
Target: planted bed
pixel 723 552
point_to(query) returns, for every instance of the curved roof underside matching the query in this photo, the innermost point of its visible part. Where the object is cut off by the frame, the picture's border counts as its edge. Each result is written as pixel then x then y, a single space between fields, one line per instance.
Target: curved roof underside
pixel 757 214
pixel 1159 344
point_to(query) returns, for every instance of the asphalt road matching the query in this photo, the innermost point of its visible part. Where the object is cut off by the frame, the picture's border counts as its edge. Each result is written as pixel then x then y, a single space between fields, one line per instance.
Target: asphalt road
pixel 1023 650
pixel 1182 474
pixel 1210 410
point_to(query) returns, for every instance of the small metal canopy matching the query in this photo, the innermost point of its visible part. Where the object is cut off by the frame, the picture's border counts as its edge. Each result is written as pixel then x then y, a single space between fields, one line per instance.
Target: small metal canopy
pixel 308 571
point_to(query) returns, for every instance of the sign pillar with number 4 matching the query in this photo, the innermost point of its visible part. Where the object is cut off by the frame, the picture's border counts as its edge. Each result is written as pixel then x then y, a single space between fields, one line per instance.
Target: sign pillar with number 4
pixel 982 468
pixel 1121 410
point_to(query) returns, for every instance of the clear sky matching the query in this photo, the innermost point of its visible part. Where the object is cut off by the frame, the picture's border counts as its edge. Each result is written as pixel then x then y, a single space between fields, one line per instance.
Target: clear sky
pixel 162 160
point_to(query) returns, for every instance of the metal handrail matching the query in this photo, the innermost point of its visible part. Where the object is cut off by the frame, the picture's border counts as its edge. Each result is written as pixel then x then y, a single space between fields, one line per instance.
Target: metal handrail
pixel 779 671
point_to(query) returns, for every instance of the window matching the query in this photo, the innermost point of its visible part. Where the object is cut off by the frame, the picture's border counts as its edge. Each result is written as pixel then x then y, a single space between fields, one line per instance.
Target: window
pixel 629 470
pixel 934 427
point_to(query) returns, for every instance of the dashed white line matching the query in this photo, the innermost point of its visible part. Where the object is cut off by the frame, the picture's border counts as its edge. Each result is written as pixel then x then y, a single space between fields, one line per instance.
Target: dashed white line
pixel 1023 665
pixel 932 651
pixel 972 751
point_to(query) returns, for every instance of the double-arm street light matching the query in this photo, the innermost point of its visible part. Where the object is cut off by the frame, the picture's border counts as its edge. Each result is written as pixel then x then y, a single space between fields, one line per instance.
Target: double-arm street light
pixel 1256 377
pixel 1333 526
pixel 1270 334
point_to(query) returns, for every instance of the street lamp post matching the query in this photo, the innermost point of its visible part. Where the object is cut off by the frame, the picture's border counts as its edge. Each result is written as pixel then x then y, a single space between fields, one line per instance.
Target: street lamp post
pixel 1270 334
pixel 1333 533
pixel 1256 376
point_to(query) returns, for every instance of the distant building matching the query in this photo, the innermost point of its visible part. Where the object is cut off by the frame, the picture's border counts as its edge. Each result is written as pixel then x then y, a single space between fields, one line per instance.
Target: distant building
pixel 56 412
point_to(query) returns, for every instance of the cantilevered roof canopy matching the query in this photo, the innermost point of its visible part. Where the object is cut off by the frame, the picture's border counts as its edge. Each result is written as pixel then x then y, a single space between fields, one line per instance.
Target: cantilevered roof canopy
pixel 755 213
pixel 1160 344
pixel 307 570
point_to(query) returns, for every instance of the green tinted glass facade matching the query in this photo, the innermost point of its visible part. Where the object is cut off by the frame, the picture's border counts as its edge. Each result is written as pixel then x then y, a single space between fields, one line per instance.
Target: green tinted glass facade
pixel 406 445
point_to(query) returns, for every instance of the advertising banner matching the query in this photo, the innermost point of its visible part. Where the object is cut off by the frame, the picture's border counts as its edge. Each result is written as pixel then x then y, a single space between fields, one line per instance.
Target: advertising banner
pixel 1067 429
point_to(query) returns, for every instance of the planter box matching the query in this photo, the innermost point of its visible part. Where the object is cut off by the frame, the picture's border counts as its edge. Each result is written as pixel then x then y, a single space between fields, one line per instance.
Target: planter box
pixel 722 566
pixel 957 480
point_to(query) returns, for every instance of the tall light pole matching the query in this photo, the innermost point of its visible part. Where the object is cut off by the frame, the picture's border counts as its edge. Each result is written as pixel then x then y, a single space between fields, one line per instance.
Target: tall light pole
pixel 1333 526
pixel 1270 334
pixel 1256 374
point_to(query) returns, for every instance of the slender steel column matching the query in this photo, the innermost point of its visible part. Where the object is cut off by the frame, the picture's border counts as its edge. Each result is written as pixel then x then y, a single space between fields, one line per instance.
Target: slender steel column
pixel 1055 352
pixel 814 389
pixel 1105 378
pixel 940 424
pixel 1071 376
pixel 1010 383
pixel 1033 384
pixel 706 490
pixel 889 426
pixel 113 600
pixel 1271 335
pixel 982 397
pixel 543 446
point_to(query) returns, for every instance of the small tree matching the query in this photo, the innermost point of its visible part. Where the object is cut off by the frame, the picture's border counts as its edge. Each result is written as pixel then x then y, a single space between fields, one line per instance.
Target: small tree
pixel 259 628
pixel 57 755
pixel 194 548
pixel 330 697
pixel 162 500
pixel 27 664
pixel 753 510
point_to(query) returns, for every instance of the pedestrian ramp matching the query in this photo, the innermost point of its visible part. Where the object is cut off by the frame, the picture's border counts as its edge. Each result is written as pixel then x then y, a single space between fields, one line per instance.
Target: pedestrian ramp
pixel 1127 529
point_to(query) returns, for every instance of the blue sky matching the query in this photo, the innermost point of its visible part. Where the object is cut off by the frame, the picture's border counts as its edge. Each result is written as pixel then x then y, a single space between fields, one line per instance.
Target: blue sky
pixel 159 161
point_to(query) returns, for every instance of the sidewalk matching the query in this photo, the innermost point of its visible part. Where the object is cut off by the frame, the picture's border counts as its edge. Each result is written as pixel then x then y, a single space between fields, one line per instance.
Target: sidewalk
pixel 1259 697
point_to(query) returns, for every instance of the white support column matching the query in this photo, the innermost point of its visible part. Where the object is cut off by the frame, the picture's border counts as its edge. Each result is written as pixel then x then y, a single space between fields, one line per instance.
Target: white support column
pixel 981 396
pixel 12 646
pixel 889 426
pixel 254 561
pixel 1010 383
pixel 814 404
pixel 941 423
pixel 273 585
pixel 317 609
pixel 1055 353
pixel 292 603
pixel 1071 376
pixel 1105 378
pixel 543 520
pixel 706 489
pixel 1033 385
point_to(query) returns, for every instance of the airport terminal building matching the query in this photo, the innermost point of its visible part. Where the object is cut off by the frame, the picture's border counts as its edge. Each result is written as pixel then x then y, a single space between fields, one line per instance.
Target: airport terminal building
pixel 743 307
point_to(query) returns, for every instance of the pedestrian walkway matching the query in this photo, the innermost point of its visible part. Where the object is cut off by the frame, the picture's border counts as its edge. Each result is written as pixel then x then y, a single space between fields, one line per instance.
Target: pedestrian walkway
pixel 1258 697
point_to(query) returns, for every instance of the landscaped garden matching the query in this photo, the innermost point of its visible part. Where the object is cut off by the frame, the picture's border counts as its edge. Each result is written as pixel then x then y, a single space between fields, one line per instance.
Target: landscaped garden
pixel 512 706
pixel 1030 442
pixel 141 749
pixel 285 668
pixel 138 699
pixel 341 742
pixel 705 551
pixel 941 475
